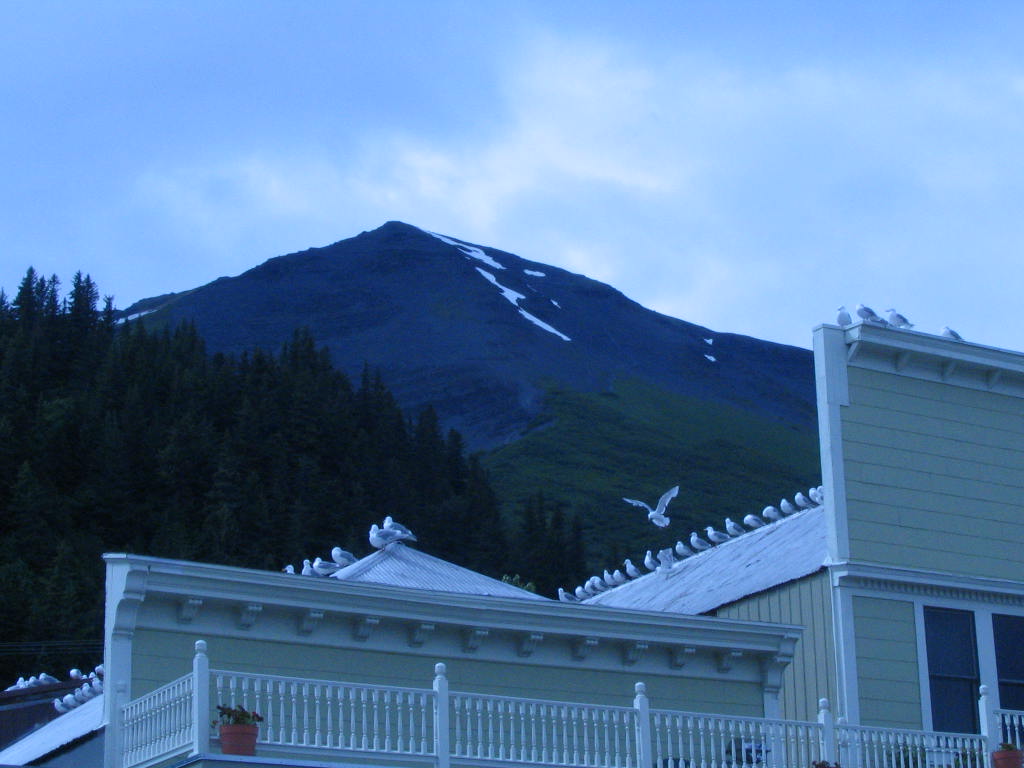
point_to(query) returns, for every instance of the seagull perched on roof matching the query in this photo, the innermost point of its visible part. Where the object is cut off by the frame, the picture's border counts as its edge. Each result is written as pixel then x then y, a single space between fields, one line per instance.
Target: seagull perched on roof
pixel 753 521
pixel 342 556
pixel 565 597
pixel 802 501
pixel 817 495
pixel 391 525
pixel 657 516
pixel 896 320
pixel 307 568
pixel 682 550
pixel 717 537
pixel 771 514
pixel 697 542
pixel 289 569
pixel 323 568
pixel 733 529
pixel 631 570
pixel 787 507
pixel 869 314
pixel 843 318
pixel 649 562
pixel 949 333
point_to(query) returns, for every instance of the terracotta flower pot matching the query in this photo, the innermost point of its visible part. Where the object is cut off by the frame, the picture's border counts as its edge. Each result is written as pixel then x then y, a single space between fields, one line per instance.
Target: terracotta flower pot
pixel 241 739
pixel 1007 758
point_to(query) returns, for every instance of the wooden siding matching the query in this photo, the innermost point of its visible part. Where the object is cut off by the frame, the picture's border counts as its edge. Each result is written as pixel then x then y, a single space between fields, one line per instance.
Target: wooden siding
pixel 161 655
pixel 812 674
pixel 934 475
pixel 887 667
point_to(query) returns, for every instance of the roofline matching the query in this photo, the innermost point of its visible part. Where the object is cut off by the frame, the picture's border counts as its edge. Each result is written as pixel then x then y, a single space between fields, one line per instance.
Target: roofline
pixel 933 357
pixel 138 577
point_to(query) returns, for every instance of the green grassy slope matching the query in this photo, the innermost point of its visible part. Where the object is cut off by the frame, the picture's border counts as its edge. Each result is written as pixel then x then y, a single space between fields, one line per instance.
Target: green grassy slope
pixel 637 441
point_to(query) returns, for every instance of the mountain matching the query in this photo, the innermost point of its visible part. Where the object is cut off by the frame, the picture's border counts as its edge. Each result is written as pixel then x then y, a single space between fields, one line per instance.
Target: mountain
pixel 567 386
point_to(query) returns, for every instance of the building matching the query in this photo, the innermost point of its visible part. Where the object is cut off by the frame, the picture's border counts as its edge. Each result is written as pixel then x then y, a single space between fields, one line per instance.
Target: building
pixel 908 580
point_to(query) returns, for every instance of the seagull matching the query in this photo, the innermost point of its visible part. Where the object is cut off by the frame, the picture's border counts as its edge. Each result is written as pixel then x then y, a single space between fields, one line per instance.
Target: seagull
pixel 631 570
pixel 581 593
pixel 682 550
pixel 307 568
pixel 717 537
pixel 753 521
pixel 323 568
pixel 816 495
pixel 657 516
pixel 697 542
pixel 391 525
pixel 381 537
pixel 843 318
pixel 949 333
pixel 666 558
pixel 787 507
pixel 733 529
pixel 289 569
pixel 565 597
pixel 598 585
pixel 802 501
pixel 650 562
pixel 770 513
pixel 60 706
pixel 342 557
pixel 869 314
pixel 47 679
pixel 896 320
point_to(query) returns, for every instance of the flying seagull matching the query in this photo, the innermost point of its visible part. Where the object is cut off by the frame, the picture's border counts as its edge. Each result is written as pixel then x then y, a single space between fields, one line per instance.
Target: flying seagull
pixel 657 516
pixel 949 333
pixel 843 318
pixel 897 320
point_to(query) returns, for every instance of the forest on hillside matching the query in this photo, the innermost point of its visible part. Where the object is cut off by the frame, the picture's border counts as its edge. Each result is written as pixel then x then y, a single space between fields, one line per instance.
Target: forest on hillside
pixel 115 437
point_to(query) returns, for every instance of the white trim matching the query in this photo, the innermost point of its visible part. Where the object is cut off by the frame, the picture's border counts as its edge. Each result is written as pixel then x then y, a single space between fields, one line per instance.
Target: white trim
pixel 846 654
pixel 982 597
pixel 833 393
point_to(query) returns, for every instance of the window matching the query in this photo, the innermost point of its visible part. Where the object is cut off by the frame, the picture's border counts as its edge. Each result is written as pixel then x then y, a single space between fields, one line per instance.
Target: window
pixel 952 669
pixel 1009 636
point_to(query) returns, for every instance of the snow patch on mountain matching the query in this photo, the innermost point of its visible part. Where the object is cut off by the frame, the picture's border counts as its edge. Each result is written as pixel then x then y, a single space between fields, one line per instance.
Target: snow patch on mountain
pixel 533 273
pixel 513 298
pixel 469 250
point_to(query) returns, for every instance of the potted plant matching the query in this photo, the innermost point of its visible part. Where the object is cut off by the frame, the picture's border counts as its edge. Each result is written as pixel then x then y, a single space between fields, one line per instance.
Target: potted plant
pixel 238 730
pixel 1007 756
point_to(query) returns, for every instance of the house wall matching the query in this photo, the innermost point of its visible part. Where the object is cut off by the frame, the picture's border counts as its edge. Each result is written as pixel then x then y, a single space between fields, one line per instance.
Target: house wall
pixel 888 673
pixel 812 673
pixel 161 655
pixel 934 475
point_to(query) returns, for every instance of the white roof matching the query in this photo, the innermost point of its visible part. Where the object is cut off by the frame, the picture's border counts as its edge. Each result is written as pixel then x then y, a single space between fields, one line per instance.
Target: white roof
pixel 753 562
pixel 73 725
pixel 400 566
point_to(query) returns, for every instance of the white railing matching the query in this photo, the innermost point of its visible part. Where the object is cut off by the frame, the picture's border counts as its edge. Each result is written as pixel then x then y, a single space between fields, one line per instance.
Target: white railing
pixel 330 719
pixel 541 732
pixel 300 712
pixel 158 724
pixel 869 747
pixel 1010 727
pixel 716 741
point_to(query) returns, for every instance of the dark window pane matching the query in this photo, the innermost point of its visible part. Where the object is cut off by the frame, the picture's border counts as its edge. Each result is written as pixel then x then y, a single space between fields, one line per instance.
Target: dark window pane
pixel 953 705
pixel 1009 636
pixel 949 637
pixel 1011 696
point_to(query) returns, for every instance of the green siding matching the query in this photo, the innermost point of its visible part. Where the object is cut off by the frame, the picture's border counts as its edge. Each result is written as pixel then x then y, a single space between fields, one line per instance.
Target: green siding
pixel 812 674
pixel 887 669
pixel 159 656
pixel 934 475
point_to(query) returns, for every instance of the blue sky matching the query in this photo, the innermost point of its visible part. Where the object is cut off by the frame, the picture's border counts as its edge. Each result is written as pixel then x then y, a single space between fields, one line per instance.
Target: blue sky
pixel 748 166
